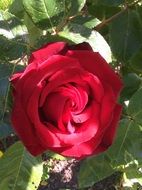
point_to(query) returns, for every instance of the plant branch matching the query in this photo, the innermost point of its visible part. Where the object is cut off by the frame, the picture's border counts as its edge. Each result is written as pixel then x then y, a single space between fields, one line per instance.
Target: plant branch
pixel 105 22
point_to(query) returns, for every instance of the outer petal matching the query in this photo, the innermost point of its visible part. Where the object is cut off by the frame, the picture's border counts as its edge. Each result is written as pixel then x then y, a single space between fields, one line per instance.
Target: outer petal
pixel 107 106
pixel 25 130
pixel 34 74
pixel 42 131
pixel 110 133
pixel 14 78
pixel 47 51
pixel 85 148
pixel 94 63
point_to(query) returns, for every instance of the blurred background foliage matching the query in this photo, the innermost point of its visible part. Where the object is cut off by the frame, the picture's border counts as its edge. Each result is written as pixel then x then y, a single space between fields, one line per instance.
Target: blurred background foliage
pixel 113 28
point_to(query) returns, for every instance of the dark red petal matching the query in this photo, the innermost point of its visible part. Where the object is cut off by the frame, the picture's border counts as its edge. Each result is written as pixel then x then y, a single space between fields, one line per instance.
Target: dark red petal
pixel 96 87
pixel 107 106
pixel 99 143
pixel 94 63
pixel 81 46
pixel 78 95
pixel 53 108
pixel 25 129
pixel 78 151
pixel 83 149
pixel 85 131
pixel 47 51
pixel 14 78
pixel 110 133
pixel 35 74
pixel 89 129
pixel 61 77
pixel 44 134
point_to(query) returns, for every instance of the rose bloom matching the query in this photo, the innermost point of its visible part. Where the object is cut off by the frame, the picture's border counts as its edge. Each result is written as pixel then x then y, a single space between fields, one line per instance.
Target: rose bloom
pixel 66 101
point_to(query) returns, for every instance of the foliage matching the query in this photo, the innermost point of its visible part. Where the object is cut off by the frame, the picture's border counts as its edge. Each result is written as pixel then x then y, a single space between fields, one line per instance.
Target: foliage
pixel 21 170
pixel 112 27
pixel 4 4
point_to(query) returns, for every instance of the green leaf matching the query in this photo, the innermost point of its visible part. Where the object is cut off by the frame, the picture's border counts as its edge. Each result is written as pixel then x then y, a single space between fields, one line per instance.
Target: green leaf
pixel 127 146
pixel 12 37
pixel 126 151
pixel 126 35
pixel 125 155
pixel 87 21
pixel 133 173
pixel 73 7
pixel 101 11
pixel 34 32
pixel 10 25
pixel 5 4
pixel 109 2
pixel 78 34
pixel 19 170
pixel 49 14
pixel 94 169
pixel 136 61
pixel 131 84
pixel 17 8
pixel 5 130
pixel 5 126
pixel 11 49
pixel 56 156
pixel 6 70
pixel 135 106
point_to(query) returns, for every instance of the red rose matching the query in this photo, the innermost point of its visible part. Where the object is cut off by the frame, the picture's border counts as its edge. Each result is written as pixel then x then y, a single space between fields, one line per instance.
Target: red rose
pixel 66 101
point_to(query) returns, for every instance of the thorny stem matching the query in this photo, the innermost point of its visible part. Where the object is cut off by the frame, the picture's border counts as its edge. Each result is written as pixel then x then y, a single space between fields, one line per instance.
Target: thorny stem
pixel 105 22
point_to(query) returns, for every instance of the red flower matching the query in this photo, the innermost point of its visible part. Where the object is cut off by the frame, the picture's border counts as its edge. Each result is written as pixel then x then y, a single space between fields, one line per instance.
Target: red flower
pixel 66 101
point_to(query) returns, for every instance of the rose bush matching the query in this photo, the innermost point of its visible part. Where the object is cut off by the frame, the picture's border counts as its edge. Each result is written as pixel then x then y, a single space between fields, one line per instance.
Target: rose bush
pixel 66 101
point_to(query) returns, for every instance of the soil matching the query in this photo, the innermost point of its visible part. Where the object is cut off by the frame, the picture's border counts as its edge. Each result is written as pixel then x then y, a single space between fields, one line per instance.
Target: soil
pixel 63 175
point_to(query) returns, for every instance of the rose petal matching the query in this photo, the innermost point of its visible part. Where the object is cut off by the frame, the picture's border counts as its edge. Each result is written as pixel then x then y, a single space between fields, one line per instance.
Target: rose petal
pixel 47 51
pixel 110 133
pixel 84 131
pixel 81 46
pixel 94 63
pixel 97 91
pixel 25 129
pixel 84 149
pixel 14 78
pixel 78 96
pixel 34 74
pixel 53 109
pixel 42 131
pixel 83 116
pixel 101 141
pixel 107 106
pixel 64 76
